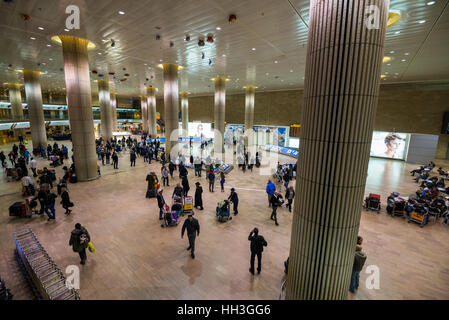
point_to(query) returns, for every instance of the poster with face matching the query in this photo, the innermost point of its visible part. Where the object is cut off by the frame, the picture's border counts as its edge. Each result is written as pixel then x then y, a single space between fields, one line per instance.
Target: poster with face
pixel 389 145
pixel 200 130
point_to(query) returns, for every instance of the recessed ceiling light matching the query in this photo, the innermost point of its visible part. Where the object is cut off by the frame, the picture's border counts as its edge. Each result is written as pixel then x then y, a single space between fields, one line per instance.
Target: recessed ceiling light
pixel 32 38
pixel 431 3
pixel 392 51
pixel 50 59
pixel 406 54
pixel 422 21
pixel 218 28
pixel 291 70
pixel 145 64
pixel 121 12
pixel 403 60
pixel 160 60
pixel 223 55
pixel 48 45
pixel 267 74
pixel 397 32
pixel 40 28
pixel 66 30
pixel 276 61
pixel 388 64
pixel 254 49
pixel 99 53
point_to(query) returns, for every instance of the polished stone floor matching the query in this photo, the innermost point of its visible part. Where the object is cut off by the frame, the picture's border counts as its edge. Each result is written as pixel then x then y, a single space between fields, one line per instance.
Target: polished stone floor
pixel 137 259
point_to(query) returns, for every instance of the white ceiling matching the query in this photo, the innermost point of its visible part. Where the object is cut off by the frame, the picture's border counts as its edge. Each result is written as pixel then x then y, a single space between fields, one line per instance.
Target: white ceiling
pixel 273 28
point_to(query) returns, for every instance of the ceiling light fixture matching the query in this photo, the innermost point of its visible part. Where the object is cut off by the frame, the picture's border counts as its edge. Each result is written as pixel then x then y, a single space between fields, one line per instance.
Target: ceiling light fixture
pixel 386 59
pixel 218 28
pixel 66 30
pixel 275 61
pixel 422 21
pixel 392 51
pixel 121 12
pixel 48 45
pixel 403 60
pixel 32 38
pixel 431 3
pixel 397 32
pixel 254 49
pixel 40 28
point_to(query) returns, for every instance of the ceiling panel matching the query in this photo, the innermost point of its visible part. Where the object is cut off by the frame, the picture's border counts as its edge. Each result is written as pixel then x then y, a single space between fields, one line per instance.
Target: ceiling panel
pixel 276 29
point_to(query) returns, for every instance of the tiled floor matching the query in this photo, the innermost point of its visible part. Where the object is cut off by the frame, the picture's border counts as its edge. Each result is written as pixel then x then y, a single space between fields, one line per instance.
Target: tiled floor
pixel 137 259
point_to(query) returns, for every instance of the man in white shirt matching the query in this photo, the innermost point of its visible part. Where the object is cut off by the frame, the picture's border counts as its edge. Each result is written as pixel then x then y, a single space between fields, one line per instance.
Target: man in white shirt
pixel 33 166
pixel 28 184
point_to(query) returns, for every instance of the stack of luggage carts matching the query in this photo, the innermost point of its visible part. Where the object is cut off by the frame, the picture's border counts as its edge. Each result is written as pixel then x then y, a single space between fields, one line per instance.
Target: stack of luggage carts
pixel 45 278
pixel 5 293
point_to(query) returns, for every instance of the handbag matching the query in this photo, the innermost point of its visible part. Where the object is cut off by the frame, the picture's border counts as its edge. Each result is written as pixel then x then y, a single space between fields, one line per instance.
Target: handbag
pixel 91 247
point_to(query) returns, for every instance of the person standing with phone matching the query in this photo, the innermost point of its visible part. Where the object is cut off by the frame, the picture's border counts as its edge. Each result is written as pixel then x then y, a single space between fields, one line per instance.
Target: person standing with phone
pixel 256 246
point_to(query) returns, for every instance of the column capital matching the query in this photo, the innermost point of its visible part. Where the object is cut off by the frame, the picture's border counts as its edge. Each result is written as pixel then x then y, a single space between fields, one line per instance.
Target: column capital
pixel 151 91
pixel 184 94
pixel 64 39
pixel 165 66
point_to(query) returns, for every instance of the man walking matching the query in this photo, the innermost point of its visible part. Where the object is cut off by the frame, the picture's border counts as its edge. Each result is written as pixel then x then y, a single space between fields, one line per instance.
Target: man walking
pixel 193 229
pixel 211 177
pixel 160 204
pixel 289 196
pixel 79 240
pixel 275 203
pixel 33 166
pixel 271 188
pixel 165 174
pixel 256 246
pixel 133 158
pixel 115 160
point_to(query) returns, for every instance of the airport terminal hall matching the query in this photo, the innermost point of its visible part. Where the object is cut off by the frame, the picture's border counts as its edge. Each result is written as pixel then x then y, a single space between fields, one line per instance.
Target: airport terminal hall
pixel 224 150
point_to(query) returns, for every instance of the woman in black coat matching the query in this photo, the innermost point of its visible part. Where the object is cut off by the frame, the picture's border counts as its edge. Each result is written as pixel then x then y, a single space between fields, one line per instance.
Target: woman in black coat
pixel 199 196
pixel 66 204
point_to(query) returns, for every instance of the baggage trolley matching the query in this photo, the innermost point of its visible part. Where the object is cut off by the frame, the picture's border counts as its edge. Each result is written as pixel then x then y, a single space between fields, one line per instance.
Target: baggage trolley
pixel 188 205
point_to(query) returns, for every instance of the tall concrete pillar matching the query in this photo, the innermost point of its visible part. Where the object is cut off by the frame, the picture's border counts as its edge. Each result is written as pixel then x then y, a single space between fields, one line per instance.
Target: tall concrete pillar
pixel 144 110
pixel 171 106
pixel 344 60
pixel 113 98
pixel 79 103
pixel 250 92
pixel 152 121
pixel 185 113
pixel 219 115
pixel 104 98
pixel 15 98
pixel 35 111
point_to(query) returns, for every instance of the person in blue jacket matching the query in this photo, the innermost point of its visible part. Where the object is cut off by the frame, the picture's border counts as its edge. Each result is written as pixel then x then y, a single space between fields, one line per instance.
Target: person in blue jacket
pixel 271 188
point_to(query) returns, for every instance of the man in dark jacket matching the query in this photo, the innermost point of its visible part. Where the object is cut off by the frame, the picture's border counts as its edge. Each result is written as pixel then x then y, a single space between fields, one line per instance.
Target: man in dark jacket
pixel 211 177
pixel 42 197
pixel 199 196
pixel 193 228
pixel 359 261
pixel 50 205
pixel 160 203
pixel 115 160
pixel 185 186
pixel 132 157
pixel 171 168
pixel 275 203
pixel 257 244
pixel 79 240
pixel 178 191
pixel 234 198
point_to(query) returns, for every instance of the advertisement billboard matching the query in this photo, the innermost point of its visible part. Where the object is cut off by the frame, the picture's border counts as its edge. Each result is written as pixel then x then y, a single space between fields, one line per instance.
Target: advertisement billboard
pixel 389 145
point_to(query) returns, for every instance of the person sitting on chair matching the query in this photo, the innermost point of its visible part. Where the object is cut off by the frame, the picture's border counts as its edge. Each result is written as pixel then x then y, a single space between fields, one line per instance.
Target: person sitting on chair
pixel 441 172
pixel 440 184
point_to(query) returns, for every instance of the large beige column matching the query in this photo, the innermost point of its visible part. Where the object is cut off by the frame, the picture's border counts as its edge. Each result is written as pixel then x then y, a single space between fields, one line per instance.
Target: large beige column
pixel 152 121
pixel 344 60
pixel 113 99
pixel 219 115
pixel 171 106
pixel 35 111
pixel 185 113
pixel 104 97
pixel 250 92
pixel 15 98
pixel 144 110
pixel 79 102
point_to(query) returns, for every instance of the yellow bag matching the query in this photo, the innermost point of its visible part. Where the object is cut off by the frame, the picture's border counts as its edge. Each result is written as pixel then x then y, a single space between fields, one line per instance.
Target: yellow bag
pixel 91 247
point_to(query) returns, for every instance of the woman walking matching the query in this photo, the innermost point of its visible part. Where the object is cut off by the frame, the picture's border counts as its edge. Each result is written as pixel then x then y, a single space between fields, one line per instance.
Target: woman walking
pixel 66 204
pixel 222 180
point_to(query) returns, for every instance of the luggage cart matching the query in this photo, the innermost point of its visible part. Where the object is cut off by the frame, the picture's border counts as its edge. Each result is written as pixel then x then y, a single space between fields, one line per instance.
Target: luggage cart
pixel 188 205
pixel 419 215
